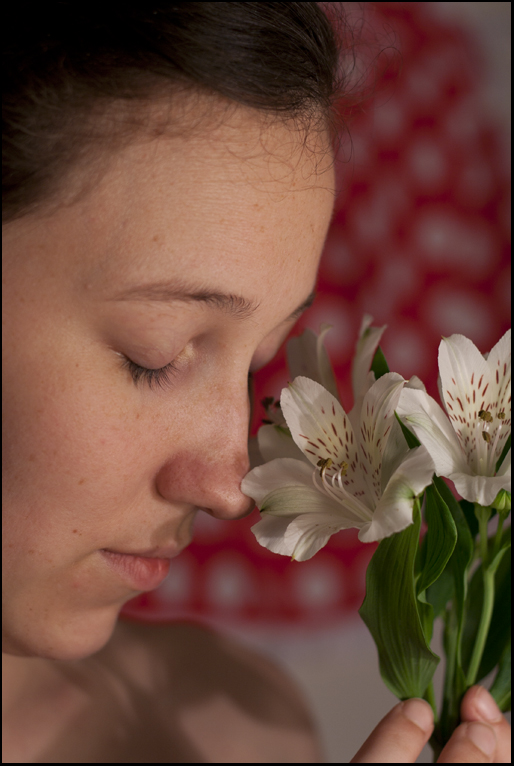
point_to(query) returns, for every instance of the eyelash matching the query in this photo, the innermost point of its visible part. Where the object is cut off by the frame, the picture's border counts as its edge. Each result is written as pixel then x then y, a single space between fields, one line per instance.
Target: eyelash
pixel 160 377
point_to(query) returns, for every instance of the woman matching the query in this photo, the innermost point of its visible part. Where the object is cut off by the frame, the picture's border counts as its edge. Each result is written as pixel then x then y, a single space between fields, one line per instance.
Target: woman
pixel 167 191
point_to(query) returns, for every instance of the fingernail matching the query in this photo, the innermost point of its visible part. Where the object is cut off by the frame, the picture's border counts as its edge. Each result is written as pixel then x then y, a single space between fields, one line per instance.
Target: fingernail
pixel 487 707
pixel 419 712
pixel 482 736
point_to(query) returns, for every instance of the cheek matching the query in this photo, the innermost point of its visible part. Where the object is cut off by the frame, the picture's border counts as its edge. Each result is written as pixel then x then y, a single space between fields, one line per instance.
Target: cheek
pixel 72 459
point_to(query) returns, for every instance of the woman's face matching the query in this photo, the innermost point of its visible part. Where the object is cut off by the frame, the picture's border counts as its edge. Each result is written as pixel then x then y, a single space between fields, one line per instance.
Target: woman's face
pixel 193 252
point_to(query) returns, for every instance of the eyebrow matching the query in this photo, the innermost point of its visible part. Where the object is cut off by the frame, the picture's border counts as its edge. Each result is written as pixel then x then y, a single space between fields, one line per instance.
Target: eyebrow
pixel 235 305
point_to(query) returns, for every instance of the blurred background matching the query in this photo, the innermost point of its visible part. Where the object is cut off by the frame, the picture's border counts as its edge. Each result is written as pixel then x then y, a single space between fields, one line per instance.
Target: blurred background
pixel 420 240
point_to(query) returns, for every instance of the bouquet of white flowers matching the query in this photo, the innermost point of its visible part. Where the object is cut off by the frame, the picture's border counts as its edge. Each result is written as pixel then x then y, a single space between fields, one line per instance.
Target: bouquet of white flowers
pixel 379 468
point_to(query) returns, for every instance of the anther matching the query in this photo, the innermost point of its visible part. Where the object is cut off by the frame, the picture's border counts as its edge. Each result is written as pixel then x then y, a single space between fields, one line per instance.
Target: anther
pixel 484 415
pixel 486 436
pixel 501 416
pixel 324 463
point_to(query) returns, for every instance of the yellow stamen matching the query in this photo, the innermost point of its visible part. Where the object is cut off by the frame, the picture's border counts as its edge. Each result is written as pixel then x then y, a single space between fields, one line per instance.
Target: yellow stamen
pixel 324 463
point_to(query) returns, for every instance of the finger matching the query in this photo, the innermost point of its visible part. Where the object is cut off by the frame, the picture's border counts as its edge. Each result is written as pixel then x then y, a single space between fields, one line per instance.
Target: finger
pixel 479 705
pixel 400 736
pixel 470 743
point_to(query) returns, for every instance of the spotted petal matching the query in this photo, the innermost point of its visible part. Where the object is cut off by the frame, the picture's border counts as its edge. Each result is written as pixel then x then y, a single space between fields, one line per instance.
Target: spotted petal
pixel 472 385
pixel 318 423
pixel 376 419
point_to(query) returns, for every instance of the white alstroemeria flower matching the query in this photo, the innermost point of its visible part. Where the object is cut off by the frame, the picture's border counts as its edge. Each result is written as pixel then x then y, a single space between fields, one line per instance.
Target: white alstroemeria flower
pixel 307 357
pixel 466 445
pixel 363 477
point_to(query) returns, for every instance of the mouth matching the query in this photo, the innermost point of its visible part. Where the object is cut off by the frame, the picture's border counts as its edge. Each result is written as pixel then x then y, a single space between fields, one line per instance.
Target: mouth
pixel 141 570
pixel 157 552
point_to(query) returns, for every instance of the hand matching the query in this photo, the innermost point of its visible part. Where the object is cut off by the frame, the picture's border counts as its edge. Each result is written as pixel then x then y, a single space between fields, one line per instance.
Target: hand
pixel 400 737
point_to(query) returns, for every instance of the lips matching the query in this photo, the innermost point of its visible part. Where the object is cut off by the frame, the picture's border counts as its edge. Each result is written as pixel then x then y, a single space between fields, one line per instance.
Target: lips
pixel 157 552
pixel 141 570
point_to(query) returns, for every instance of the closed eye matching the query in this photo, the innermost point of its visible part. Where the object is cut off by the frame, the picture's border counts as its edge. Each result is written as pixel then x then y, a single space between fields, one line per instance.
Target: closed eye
pixel 153 378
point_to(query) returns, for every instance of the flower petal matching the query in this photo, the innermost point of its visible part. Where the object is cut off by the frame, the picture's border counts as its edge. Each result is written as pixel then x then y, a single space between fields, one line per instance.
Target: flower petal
pixel 481 489
pixel 312 532
pixel 500 402
pixel 395 451
pixel 394 510
pixel 263 479
pixel 465 381
pixel 307 357
pixel 275 443
pixel 369 338
pixel 270 532
pixel 300 537
pixel 416 383
pixel 425 417
pixel 377 416
pixel 501 352
pixel 318 423
pixel 462 369
pixel 471 386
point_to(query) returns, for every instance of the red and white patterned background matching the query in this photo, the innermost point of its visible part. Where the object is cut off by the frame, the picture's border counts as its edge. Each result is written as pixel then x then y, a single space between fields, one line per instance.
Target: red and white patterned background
pixel 421 240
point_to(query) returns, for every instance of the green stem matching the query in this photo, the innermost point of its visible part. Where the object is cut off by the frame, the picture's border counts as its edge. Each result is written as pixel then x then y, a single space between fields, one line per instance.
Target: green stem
pixel 483 513
pixel 483 628
pixel 449 713
pixel 498 535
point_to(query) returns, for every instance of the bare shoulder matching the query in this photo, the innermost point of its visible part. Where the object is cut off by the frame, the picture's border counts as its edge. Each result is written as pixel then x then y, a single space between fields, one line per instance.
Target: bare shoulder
pixel 234 703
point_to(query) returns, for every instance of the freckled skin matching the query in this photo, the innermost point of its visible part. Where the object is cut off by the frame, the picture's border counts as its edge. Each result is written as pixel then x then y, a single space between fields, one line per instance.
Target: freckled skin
pixel 91 460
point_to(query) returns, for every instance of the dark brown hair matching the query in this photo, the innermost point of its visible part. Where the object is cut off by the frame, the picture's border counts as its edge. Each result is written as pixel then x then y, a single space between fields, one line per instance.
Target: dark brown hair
pixel 65 61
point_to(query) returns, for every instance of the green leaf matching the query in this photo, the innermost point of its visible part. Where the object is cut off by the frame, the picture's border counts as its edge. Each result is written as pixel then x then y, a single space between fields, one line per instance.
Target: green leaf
pixel 458 566
pixel 440 538
pixel 426 616
pixel 410 438
pixel 379 365
pixel 462 553
pixel 501 686
pixel 391 612
pixel 440 592
pixel 468 510
pixel 505 449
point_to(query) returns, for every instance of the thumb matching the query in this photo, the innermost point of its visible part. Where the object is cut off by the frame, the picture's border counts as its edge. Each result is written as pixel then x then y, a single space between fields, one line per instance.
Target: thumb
pixel 400 736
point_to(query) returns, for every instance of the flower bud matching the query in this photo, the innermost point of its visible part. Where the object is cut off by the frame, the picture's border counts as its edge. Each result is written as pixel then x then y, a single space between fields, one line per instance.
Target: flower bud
pixel 502 502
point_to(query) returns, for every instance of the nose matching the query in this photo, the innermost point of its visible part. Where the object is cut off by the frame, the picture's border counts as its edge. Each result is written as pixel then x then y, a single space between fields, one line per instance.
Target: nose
pixel 208 459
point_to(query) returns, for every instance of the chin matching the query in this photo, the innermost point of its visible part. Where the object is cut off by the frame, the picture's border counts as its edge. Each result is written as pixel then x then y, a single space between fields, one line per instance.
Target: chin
pixel 67 637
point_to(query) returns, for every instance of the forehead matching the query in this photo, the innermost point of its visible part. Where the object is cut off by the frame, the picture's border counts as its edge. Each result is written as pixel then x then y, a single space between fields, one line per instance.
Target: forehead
pixel 239 197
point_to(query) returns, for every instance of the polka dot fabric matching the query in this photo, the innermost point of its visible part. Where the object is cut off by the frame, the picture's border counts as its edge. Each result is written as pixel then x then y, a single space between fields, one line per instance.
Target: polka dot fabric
pixel 420 239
